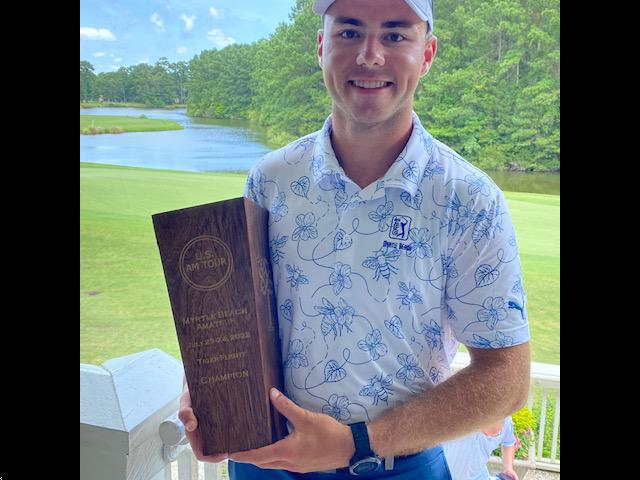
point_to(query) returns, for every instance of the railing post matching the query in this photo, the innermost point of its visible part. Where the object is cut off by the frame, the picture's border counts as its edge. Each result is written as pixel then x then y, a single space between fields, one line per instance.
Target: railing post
pixel 556 425
pixel 187 465
pixel 531 453
pixel 122 403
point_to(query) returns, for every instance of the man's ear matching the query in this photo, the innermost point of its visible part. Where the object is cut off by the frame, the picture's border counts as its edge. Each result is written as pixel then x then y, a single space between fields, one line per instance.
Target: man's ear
pixel 430 48
pixel 320 38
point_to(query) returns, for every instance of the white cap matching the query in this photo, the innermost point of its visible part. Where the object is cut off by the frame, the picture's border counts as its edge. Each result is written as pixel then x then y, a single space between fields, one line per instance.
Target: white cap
pixel 423 8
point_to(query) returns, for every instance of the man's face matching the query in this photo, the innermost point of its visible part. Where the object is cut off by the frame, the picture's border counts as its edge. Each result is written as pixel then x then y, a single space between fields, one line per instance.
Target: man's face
pixel 373 54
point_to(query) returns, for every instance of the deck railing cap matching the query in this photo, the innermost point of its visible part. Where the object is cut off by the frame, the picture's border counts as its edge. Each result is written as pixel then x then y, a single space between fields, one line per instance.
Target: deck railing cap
pixel 123 392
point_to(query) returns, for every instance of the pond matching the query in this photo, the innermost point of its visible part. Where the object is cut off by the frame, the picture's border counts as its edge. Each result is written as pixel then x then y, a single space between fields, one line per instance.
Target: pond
pixel 225 145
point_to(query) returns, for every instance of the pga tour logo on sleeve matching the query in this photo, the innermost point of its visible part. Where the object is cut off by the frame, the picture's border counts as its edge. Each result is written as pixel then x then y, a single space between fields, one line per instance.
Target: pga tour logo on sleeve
pixel 400 226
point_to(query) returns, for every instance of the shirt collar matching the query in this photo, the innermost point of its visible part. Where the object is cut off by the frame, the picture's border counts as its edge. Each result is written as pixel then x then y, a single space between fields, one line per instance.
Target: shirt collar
pixel 405 173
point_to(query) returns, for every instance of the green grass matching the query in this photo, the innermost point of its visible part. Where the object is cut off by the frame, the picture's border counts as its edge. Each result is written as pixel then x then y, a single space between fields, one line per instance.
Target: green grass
pixel 536 218
pixel 90 104
pixel 124 306
pixel 94 124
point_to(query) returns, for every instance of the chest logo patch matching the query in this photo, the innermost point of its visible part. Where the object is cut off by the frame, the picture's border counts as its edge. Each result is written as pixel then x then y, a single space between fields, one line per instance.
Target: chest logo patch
pixel 400 225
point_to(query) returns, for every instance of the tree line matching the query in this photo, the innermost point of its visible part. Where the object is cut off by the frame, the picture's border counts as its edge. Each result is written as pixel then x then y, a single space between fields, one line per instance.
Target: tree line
pixel 162 84
pixel 493 92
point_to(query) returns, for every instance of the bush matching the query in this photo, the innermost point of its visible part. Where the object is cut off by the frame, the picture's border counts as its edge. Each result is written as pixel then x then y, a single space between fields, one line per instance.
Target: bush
pixel 524 424
pixel 92 130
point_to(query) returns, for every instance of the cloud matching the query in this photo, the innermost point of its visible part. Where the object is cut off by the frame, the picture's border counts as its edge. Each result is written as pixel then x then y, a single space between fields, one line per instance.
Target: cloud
pixel 188 21
pixel 119 59
pixel 219 39
pixel 89 33
pixel 215 13
pixel 99 54
pixel 157 20
pixel 181 50
pixel 144 60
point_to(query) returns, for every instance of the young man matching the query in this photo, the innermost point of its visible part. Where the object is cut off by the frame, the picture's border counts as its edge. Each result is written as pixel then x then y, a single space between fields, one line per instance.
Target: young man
pixel 388 249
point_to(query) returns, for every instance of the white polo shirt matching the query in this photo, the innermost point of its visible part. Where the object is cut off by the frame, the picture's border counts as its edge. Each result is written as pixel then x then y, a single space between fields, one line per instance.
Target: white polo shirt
pixel 376 286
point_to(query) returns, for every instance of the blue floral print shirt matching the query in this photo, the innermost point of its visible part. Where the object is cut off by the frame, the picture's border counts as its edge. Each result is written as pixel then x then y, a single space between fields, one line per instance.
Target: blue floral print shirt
pixel 377 286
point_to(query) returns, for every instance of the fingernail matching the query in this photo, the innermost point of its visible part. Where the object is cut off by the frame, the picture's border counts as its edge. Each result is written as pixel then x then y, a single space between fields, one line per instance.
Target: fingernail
pixel 274 393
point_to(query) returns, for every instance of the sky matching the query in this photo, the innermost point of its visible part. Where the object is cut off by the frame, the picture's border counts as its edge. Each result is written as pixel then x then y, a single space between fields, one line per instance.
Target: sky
pixel 116 33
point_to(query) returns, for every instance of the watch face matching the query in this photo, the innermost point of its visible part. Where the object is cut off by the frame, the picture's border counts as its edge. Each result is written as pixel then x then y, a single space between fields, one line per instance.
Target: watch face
pixel 366 465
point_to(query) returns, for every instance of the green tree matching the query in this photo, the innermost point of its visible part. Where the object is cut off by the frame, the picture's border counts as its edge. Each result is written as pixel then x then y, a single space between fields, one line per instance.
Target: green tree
pixel 494 88
pixel 493 92
pixel 180 75
pixel 110 86
pixel 87 80
pixel 219 84
pixel 151 85
pixel 290 96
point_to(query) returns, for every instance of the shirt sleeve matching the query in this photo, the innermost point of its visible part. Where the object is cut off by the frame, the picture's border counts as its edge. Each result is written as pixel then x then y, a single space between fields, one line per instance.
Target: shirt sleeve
pixel 508 435
pixel 484 290
pixel 254 187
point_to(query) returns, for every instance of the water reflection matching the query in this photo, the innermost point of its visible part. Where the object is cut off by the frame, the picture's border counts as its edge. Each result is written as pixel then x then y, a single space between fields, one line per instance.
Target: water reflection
pixel 203 145
pixel 225 145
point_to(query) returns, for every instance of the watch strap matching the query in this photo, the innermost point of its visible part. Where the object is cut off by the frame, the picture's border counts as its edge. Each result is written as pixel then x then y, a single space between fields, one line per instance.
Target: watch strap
pixel 361 441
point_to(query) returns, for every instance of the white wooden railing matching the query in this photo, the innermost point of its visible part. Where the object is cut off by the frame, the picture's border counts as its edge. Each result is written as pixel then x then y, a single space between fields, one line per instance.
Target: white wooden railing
pixel 545 382
pixel 546 378
pixel 181 463
pixel 118 419
pixel 186 467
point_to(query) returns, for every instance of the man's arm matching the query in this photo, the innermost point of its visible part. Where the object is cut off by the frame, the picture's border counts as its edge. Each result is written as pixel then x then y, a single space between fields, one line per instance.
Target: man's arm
pixel 494 385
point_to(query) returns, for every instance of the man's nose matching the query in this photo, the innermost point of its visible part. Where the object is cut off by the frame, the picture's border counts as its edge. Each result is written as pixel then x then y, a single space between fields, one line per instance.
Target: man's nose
pixel 371 53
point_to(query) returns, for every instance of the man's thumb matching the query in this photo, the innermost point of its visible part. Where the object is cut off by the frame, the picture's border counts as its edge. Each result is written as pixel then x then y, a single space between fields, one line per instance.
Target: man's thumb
pixel 286 407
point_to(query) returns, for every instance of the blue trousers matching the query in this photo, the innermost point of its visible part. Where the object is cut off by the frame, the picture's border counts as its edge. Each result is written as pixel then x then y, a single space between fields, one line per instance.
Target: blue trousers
pixel 427 465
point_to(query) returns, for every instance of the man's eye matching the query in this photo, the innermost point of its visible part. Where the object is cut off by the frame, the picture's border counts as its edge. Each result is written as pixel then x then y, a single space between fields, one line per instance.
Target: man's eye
pixel 349 34
pixel 395 37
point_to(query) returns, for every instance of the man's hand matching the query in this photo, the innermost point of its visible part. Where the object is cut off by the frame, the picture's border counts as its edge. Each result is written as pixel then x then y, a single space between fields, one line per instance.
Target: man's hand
pixel 186 415
pixel 318 442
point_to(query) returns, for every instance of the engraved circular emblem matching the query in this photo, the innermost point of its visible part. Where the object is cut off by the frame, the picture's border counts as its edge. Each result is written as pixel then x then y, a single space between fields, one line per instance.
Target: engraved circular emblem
pixel 206 262
pixel 263 273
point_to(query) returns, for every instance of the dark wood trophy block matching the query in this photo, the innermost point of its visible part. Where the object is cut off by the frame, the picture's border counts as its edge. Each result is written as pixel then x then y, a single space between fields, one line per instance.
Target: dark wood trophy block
pixel 216 265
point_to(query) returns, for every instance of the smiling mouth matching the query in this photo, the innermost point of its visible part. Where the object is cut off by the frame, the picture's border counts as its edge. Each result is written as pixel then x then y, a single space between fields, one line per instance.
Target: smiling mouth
pixel 369 85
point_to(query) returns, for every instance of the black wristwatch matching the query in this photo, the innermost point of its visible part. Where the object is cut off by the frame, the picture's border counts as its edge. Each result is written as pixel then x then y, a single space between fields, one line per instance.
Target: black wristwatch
pixel 364 460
